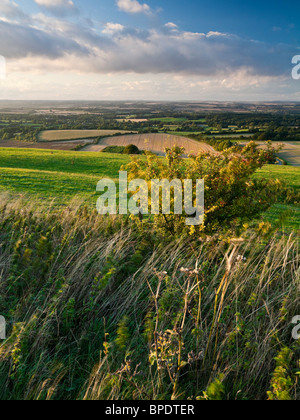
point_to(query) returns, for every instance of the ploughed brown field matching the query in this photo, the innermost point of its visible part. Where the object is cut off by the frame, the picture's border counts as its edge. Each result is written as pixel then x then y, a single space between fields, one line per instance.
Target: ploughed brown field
pixel 155 143
pixel 57 135
pixel 67 145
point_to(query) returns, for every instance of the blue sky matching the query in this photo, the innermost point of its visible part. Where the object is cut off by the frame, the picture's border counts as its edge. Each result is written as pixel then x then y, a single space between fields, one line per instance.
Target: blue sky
pixel 267 20
pixel 131 49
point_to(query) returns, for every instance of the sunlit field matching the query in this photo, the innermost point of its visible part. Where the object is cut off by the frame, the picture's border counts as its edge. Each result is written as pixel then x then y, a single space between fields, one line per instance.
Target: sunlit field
pixel 62 176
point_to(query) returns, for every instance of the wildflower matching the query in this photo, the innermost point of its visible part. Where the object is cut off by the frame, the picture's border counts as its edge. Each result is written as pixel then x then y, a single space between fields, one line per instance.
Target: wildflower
pixel 162 273
pixel 189 271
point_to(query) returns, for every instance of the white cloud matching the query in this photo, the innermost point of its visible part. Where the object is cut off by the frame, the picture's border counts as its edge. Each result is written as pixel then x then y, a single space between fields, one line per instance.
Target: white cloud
pixel 12 10
pixel 171 25
pixel 133 6
pixel 112 28
pixel 58 7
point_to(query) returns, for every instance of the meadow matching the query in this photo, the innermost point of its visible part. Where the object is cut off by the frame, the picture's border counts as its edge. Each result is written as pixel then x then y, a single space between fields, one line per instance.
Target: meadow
pixel 55 175
pixel 48 172
pixel 62 176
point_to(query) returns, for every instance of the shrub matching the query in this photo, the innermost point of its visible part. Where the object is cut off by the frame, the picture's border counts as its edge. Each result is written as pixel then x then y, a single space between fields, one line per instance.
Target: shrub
pixel 232 196
pixel 125 150
pixel 282 383
pixel 114 149
pixel 131 149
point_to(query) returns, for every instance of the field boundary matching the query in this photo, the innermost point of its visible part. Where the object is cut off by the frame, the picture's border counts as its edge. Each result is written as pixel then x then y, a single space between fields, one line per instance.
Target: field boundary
pixel 65 135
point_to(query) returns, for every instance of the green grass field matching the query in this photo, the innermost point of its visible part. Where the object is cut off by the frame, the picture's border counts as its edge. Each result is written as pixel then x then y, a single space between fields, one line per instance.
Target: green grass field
pixel 57 175
pixel 289 174
pixel 285 217
pixel 61 176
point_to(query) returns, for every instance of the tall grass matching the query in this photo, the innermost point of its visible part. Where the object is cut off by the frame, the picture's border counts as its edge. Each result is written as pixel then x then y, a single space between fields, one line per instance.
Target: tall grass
pixel 103 308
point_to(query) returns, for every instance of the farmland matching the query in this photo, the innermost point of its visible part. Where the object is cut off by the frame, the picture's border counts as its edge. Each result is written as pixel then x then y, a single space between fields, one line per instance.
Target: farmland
pixel 291 153
pixel 50 145
pixel 35 122
pixel 155 143
pixel 117 307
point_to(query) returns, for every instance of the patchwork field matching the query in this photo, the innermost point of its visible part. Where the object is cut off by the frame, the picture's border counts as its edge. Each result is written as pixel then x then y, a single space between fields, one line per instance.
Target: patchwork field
pixel 55 135
pixel 155 143
pixel 55 145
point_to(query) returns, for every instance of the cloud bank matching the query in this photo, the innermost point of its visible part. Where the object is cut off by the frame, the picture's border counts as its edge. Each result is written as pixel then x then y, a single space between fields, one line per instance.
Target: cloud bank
pixel 12 10
pixel 114 48
pixel 165 57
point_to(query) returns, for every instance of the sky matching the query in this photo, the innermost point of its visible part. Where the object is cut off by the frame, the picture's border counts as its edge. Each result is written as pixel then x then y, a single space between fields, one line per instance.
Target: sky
pixel 149 50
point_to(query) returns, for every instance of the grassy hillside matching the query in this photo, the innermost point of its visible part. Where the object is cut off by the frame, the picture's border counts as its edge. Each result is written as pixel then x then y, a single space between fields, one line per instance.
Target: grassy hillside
pixel 106 165
pixel 288 174
pixel 55 174
pixel 111 308
pixel 99 308
pixel 64 175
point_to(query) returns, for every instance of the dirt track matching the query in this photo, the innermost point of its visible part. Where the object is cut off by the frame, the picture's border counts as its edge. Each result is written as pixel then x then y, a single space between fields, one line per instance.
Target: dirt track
pixel 155 143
